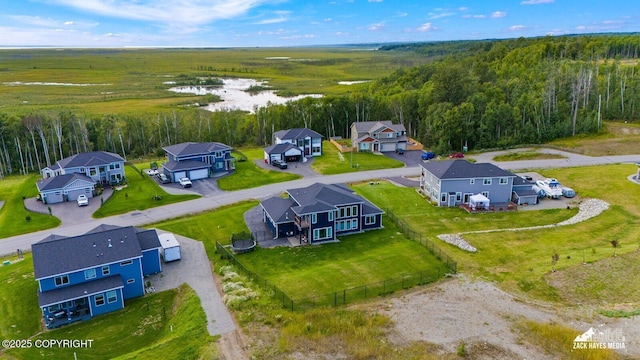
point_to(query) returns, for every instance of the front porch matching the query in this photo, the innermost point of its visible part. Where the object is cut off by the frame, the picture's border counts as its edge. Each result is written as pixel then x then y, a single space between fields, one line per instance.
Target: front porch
pixel 67 316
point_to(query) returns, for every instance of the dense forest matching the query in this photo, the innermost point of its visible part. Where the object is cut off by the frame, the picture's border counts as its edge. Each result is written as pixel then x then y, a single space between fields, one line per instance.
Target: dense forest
pixel 479 94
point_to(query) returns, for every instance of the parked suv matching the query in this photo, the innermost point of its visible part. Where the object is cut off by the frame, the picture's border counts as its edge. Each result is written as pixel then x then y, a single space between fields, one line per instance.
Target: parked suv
pixel 428 155
pixel 163 178
pixel 82 200
pixel 279 163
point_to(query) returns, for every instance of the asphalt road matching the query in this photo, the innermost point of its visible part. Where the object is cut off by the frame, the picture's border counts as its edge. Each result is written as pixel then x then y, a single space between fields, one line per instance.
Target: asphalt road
pixel 139 218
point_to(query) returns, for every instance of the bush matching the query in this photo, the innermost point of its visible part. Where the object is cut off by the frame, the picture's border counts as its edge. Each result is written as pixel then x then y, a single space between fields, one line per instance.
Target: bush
pixel 28 218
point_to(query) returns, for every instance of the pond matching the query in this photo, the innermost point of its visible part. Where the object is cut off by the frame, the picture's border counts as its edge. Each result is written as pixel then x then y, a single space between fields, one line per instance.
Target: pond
pixel 235 97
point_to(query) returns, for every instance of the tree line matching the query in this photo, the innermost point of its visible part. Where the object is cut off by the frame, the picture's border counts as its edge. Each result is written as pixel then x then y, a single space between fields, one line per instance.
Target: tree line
pixel 493 94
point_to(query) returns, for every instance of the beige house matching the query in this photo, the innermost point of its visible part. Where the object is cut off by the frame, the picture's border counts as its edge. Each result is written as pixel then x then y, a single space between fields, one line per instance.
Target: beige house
pixel 378 136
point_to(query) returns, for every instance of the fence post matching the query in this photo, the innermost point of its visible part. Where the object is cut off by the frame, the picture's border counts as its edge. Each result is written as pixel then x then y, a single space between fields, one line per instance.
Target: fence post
pixel 344 295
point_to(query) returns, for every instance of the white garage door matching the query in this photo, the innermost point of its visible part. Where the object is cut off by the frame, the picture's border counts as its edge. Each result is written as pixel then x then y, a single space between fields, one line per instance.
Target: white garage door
pixel 199 174
pixel 388 147
pixel 73 194
pixel 178 175
pixel 53 197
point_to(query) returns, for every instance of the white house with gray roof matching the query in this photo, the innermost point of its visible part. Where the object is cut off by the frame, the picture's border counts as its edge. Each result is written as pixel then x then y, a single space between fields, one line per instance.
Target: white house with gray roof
pixel 378 136
pixel 453 182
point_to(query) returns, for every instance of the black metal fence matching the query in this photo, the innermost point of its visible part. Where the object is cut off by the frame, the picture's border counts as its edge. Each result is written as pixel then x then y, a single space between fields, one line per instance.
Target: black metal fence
pixel 426 242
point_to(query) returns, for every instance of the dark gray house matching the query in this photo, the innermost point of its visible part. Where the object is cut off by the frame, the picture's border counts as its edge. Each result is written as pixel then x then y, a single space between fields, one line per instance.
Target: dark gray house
pixel 197 160
pixel 286 152
pixel 453 182
pixel 307 140
pixel 320 213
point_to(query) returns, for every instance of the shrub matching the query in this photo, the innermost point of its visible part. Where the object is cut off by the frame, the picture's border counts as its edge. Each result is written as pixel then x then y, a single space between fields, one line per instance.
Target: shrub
pixel 28 218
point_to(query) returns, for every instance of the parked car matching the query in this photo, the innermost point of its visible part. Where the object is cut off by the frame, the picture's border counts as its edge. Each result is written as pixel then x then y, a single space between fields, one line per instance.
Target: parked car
pixel 428 155
pixel 185 182
pixel 279 163
pixel 82 200
pixel 399 151
pixel 151 172
pixel 456 155
pixel 163 178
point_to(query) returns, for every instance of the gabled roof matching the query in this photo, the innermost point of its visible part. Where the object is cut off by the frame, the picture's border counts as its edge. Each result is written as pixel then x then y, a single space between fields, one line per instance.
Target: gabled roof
pixel 279 209
pixel 281 148
pixel 373 126
pixel 94 158
pixel 194 148
pixel 462 169
pixel 60 255
pixel 185 165
pixel 148 238
pixel 61 181
pixel 295 134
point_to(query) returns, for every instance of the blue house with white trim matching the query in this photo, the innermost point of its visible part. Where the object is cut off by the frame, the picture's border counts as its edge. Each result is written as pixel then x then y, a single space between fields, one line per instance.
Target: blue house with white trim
pixel 197 160
pixel 320 213
pixel 84 276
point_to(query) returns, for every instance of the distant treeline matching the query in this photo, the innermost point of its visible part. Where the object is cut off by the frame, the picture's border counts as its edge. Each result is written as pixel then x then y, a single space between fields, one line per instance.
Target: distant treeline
pixel 479 94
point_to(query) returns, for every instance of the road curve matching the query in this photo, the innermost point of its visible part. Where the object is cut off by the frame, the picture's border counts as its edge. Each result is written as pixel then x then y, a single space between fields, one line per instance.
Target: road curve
pixel 139 218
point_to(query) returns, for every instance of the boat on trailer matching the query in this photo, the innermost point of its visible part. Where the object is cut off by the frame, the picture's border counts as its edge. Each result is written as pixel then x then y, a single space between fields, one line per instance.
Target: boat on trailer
pixel 551 188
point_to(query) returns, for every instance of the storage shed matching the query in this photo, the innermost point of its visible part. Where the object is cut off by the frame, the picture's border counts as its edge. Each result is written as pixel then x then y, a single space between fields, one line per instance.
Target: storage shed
pixel 170 247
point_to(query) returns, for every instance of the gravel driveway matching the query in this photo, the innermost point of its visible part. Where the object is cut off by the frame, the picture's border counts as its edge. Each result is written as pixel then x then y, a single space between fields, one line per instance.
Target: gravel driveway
pixel 194 269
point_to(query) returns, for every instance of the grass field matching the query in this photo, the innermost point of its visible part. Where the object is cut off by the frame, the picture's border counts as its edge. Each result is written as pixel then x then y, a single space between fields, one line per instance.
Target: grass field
pixel 526 155
pixel 119 86
pixel 138 195
pixel 13 215
pixel 334 162
pixel 249 175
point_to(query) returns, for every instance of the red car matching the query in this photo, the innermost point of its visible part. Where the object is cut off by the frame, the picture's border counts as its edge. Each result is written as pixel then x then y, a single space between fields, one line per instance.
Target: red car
pixel 457 155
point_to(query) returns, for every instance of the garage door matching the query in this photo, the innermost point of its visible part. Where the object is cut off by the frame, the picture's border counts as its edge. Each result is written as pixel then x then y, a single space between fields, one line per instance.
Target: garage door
pixel 199 174
pixel 388 147
pixel 53 198
pixel 73 194
pixel 178 175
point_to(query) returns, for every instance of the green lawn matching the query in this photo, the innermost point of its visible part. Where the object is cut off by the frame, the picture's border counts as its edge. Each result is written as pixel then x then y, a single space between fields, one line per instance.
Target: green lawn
pixel 356 260
pixel 527 155
pixel 13 215
pixel 21 318
pixel 334 162
pixel 249 175
pixel 138 195
pixel 165 325
pixel 211 226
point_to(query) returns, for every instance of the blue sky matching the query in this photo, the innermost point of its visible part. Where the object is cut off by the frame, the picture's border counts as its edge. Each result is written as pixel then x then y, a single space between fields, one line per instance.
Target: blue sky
pixel 264 23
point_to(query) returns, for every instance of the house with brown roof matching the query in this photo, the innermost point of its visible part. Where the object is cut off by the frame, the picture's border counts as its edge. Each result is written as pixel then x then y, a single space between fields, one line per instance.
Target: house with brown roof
pixel 378 136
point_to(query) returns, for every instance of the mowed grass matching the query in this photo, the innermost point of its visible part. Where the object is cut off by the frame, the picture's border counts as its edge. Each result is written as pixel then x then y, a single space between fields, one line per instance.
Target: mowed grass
pixel 616 138
pixel 19 315
pixel 211 226
pixel 356 260
pixel 13 215
pixel 165 325
pixel 526 155
pixel 137 195
pixel 249 175
pixel 334 162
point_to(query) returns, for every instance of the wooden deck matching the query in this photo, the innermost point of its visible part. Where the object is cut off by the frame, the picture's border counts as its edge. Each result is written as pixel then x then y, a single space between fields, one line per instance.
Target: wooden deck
pixel 495 207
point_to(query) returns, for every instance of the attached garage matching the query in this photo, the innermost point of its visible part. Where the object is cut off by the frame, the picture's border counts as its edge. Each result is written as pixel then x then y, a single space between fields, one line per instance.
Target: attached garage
pixel 178 175
pixel 284 151
pixel 72 195
pixel 53 197
pixel 193 169
pixel 387 147
pixel 65 187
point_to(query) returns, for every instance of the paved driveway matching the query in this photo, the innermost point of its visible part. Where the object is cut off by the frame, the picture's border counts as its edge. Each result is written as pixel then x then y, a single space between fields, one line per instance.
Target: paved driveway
pixel 194 269
pixel 302 168
pixel 410 158
pixel 69 212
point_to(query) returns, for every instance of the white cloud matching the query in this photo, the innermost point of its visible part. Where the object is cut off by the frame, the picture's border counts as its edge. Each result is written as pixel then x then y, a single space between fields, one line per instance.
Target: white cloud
pixel 498 14
pixel 402 14
pixel 478 16
pixel 433 16
pixel 606 25
pixel 536 2
pixel 375 27
pixel 517 28
pixel 427 27
pixel 193 12
pixel 375 1
pixel 463 8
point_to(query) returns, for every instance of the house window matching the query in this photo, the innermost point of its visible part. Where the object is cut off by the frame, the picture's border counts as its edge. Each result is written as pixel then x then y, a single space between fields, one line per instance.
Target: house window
pixel 92 171
pixel 99 300
pixel 486 181
pixel 112 297
pixel 472 181
pixel 342 212
pixel 54 308
pixel 316 149
pixel 125 263
pixel 90 274
pixel 354 223
pixel 105 271
pixel 112 166
pixel 354 210
pixel 458 196
pixel 389 135
pixel 330 216
pixel 504 181
pixel 443 197
pixel 314 218
pixel 485 194
pixel 467 196
pixel 324 233
pixel 369 219
pixel 131 281
pixel 218 154
pixel 62 280
pixel 117 166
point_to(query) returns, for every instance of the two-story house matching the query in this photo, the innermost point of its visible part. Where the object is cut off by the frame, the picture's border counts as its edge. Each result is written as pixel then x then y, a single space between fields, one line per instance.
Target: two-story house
pixel 77 174
pixel 453 182
pixel 307 140
pixel 320 213
pixel 197 160
pixel 378 136
pixel 84 276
